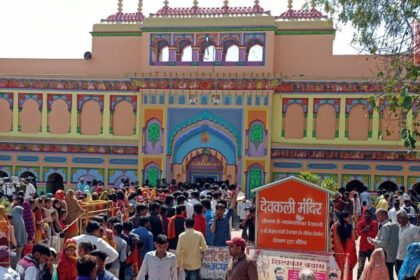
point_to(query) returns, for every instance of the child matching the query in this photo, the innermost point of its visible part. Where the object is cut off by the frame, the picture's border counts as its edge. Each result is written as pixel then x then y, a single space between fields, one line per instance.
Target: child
pixel 84 248
pixel 67 269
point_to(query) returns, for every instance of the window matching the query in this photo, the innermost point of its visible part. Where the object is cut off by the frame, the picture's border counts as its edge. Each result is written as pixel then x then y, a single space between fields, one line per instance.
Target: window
pixel 164 54
pixel 238 100
pixel 255 53
pixel 171 99
pixel 232 54
pixel 209 54
pixel 186 54
pixel 204 100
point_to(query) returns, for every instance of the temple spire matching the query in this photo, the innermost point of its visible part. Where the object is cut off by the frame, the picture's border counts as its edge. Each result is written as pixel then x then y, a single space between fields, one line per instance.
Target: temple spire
pixel 166 3
pixel 195 3
pixel 290 4
pixel 256 3
pixel 140 7
pixel 226 3
pixel 120 6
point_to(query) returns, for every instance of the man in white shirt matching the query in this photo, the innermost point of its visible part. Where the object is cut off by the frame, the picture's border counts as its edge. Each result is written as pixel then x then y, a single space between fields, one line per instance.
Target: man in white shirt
pixel 412 216
pixel 407 235
pixel 241 208
pixel 159 264
pixel 392 213
pixel 6 272
pixel 92 236
pixel 30 190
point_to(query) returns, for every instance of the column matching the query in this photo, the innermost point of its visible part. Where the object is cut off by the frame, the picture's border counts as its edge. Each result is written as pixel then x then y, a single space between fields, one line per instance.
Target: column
pixel 44 114
pixel 196 54
pixel 219 54
pixel 242 54
pixel 375 125
pixel 74 115
pixel 106 115
pixel 15 122
pixel 342 121
pixel 172 54
pixel 310 121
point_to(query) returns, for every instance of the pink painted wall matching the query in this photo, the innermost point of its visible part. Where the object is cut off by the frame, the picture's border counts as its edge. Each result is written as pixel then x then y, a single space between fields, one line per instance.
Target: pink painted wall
pixel 30 117
pixel 6 116
pixel 294 123
pixel 59 118
pixel 391 123
pixel 292 56
pixel 124 119
pixel 91 118
pixel 358 123
pixel 326 120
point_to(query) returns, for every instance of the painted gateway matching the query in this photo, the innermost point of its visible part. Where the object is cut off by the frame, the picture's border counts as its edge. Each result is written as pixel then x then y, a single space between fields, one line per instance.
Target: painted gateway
pixel 193 93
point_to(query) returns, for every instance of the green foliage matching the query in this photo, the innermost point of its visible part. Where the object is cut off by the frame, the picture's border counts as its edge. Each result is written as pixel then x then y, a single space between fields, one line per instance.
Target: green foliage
pixel 385 28
pixel 327 183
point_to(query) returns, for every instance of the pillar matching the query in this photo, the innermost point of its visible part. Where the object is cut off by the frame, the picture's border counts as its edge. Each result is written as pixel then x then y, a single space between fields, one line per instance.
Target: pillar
pixel 44 114
pixel 342 119
pixel 15 122
pixel 74 115
pixel 310 122
pixel 219 54
pixel 242 54
pixel 106 119
pixel 172 54
pixel 196 54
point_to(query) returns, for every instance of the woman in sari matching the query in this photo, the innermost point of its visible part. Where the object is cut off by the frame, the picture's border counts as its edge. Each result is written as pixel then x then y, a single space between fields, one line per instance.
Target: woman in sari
pixel 344 245
pixel 28 218
pixel 410 268
pixel 73 212
pixel 376 267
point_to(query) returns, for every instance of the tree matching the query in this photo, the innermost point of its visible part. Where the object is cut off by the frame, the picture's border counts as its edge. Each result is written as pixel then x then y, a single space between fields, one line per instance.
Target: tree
pixel 386 29
pixel 326 183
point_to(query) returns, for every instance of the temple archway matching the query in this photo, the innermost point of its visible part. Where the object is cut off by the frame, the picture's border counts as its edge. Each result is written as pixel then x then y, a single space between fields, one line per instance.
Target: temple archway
pixel 355 185
pixel 388 186
pixel 205 165
pixel 55 182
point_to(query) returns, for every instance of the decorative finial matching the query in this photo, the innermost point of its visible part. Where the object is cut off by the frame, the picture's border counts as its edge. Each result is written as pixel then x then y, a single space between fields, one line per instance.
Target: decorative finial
pixel 120 6
pixel 313 4
pixel 166 3
pixel 256 3
pixel 140 7
pixel 195 3
pixel 290 5
pixel 226 2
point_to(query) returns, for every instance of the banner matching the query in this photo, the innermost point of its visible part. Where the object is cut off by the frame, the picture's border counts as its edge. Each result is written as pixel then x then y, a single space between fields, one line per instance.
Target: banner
pixel 292 215
pixel 276 265
pixel 215 263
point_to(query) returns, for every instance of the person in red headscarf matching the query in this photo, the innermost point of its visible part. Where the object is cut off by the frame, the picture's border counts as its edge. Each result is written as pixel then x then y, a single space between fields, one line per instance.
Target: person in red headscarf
pixel 67 265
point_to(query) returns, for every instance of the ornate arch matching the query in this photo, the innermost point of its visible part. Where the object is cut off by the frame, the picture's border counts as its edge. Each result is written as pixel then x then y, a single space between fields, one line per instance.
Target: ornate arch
pixel 257 137
pixel 255 177
pixel 152 173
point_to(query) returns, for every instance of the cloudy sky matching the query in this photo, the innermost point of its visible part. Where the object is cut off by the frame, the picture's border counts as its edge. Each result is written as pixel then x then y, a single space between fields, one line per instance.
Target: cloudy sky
pixel 60 28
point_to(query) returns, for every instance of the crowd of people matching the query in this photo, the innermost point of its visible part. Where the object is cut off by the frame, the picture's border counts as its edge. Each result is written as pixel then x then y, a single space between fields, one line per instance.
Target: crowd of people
pixel 388 233
pixel 142 232
pixel 161 232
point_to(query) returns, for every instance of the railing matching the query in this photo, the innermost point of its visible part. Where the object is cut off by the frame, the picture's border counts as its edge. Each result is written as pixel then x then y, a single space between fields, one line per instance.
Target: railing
pixel 92 209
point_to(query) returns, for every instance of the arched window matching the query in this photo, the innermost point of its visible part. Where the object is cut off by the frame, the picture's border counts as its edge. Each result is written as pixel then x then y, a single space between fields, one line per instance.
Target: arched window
pixel 209 54
pixel 326 122
pixel 30 117
pixel 232 54
pixel 123 119
pixel 294 123
pixel 59 118
pixel 6 116
pixel 256 53
pixel 187 54
pixel 358 123
pixel 391 123
pixel 91 118
pixel 163 54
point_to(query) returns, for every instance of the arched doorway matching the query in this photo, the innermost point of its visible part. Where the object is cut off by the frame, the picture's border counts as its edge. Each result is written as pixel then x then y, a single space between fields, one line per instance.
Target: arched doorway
pixel 388 186
pixel 204 168
pixel 355 185
pixel 55 182
pixel 30 176
pixel 3 174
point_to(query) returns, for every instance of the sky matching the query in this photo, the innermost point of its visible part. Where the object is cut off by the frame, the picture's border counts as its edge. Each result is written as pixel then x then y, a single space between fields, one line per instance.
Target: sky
pixel 60 28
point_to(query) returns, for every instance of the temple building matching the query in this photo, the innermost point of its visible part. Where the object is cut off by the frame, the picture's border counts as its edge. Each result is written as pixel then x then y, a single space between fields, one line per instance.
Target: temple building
pixel 196 93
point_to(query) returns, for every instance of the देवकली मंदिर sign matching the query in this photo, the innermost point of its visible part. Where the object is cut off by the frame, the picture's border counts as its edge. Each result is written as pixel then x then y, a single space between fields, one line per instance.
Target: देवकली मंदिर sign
pixel 215 263
pixel 292 215
pixel 278 265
